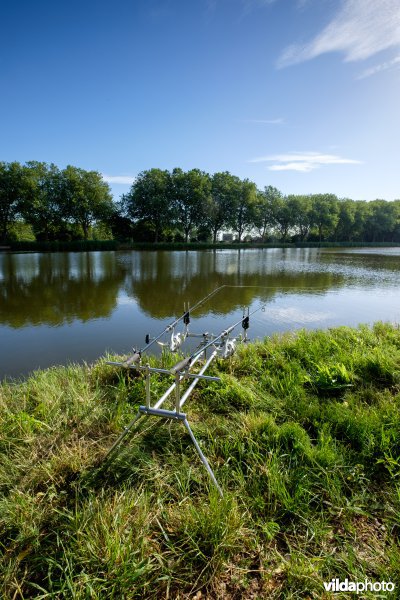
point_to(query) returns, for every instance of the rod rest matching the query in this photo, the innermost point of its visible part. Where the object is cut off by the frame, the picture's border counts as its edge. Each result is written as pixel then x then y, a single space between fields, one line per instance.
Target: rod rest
pixel 160 412
pixel 181 365
pixel 132 360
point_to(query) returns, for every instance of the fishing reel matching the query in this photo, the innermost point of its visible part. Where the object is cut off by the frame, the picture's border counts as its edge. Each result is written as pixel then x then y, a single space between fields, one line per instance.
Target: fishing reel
pixel 228 349
pixel 223 344
pixel 176 339
pixel 227 346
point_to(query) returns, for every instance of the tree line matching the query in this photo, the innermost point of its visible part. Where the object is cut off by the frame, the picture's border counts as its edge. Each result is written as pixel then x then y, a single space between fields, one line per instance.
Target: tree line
pixel 57 204
pixel 182 205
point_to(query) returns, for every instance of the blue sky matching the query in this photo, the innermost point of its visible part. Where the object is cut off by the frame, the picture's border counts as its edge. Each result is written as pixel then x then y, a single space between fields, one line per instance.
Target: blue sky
pixel 299 94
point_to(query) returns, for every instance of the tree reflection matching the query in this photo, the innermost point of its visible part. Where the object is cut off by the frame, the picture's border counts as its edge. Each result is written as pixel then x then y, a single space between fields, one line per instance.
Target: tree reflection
pixel 161 282
pixel 58 288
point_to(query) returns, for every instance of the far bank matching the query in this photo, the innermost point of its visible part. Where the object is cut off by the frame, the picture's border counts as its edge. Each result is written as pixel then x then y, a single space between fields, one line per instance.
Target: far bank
pixel 88 245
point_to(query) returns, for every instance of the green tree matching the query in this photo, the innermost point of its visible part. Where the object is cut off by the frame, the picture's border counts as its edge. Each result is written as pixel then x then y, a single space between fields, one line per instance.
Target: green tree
pixel 244 208
pixel 344 230
pixel 382 221
pixel 282 215
pixel 120 223
pixel 362 212
pixel 13 193
pixel 325 214
pixel 221 201
pixel 265 208
pixel 300 215
pixel 43 208
pixel 148 200
pixel 189 193
pixel 396 228
pixel 87 198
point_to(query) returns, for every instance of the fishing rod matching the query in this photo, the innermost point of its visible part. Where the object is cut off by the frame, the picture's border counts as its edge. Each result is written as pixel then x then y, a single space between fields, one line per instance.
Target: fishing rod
pixel 181 372
pixel 223 336
pixel 176 339
pixel 224 346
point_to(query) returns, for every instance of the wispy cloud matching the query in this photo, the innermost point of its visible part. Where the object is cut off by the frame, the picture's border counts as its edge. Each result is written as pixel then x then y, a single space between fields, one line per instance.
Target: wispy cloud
pixel 385 66
pixel 303 161
pixel 279 121
pixel 121 179
pixel 360 29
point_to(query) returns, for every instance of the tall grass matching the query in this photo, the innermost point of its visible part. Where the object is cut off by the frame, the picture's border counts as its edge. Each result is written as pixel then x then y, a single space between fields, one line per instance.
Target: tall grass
pixel 303 435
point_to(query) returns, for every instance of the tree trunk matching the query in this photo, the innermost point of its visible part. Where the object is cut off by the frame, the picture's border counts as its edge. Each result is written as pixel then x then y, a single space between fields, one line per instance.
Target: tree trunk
pixel 46 232
pixel 4 225
pixel 4 232
pixel 263 232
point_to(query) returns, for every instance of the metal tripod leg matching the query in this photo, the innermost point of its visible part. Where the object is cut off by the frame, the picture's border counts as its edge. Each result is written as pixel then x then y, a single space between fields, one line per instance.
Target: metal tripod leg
pixel 127 430
pixel 202 457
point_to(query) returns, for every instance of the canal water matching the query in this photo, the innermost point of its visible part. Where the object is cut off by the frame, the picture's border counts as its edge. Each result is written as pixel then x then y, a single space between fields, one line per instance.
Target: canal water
pixel 57 308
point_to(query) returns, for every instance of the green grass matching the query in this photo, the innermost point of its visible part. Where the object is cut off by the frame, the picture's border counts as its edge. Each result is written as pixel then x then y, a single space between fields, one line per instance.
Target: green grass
pixel 303 435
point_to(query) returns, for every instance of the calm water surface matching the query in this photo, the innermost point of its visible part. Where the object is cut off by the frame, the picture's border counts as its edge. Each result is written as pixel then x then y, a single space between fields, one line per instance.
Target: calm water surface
pixel 66 307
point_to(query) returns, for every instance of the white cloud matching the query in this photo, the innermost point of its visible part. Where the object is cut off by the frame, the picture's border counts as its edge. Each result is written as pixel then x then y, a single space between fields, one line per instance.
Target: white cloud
pixel 121 179
pixel 303 161
pixel 379 68
pixel 303 167
pixel 360 29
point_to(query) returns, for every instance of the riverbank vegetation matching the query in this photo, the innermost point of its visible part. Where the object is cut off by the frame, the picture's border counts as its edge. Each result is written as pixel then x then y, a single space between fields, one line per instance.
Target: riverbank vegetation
pixel 303 435
pixel 40 202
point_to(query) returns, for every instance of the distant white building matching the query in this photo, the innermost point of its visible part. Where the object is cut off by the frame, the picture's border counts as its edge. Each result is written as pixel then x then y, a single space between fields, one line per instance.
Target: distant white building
pixel 227 237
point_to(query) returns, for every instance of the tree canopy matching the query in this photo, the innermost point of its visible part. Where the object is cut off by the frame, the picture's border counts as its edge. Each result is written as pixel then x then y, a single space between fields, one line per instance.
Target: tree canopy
pixel 86 197
pixel 190 193
pixel 13 194
pixel 148 201
pixel 177 205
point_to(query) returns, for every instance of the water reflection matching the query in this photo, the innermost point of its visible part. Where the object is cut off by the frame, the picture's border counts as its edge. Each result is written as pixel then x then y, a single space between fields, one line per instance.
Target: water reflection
pixel 364 260
pixel 56 289
pixel 59 288
pixel 73 306
pixel 161 281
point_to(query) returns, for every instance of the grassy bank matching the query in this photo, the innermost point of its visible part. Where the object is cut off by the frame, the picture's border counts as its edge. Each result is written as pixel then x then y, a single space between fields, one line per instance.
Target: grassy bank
pixel 88 245
pixel 303 434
